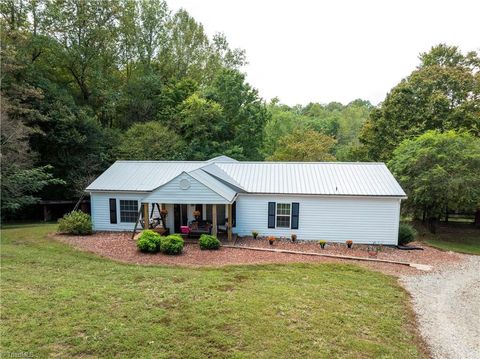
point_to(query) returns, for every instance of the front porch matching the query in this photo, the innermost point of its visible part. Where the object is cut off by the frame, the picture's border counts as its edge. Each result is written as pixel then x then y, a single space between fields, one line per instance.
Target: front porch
pixel 193 202
pixel 189 220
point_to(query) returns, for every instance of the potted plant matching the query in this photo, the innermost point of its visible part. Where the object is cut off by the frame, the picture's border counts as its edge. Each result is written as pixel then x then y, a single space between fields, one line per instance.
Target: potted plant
pixel 197 215
pixel 349 243
pixel 271 240
pixel 322 243
pixel 294 237
pixel 372 250
pixel 254 234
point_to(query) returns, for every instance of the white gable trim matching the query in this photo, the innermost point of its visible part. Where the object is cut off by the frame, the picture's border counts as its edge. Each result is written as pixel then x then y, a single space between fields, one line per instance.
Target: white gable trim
pixel 190 189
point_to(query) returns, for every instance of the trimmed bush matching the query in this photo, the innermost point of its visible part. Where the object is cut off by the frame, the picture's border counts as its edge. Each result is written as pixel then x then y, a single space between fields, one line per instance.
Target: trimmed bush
pixel 406 234
pixel 208 242
pixel 172 244
pixel 76 222
pixel 149 242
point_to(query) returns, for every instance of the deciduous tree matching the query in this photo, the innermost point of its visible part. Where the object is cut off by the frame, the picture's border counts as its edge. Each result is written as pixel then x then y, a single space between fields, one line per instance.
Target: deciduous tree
pixel 304 145
pixel 439 171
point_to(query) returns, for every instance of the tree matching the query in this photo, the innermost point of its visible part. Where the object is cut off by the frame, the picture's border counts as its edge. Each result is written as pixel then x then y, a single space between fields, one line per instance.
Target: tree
pixel 282 121
pixel 244 112
pixel 20 182
pixel 439 171
pixel 151 141
pixel 334 119
pixel 199 123
pixel 443 93
pixel 304 145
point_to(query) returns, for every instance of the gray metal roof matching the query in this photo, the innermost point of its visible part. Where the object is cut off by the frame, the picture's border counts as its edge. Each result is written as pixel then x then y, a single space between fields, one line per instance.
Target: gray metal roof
pixel 326 178
pixel 214 184
pixel 142 176
pixel 319 178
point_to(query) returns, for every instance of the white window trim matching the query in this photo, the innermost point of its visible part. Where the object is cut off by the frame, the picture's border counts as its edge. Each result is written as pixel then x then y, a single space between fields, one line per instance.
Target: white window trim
pixel 283 215
pixel 120 209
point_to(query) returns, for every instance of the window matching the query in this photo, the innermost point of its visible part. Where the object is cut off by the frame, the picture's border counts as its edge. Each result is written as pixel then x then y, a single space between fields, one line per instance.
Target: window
pixel 283 215
pixel 128 211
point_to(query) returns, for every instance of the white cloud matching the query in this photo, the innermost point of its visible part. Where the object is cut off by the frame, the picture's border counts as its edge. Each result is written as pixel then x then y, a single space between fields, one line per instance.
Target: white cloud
pixel 316 51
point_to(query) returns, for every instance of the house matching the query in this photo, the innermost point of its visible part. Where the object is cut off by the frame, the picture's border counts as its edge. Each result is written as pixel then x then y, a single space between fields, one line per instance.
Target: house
pixel 333 201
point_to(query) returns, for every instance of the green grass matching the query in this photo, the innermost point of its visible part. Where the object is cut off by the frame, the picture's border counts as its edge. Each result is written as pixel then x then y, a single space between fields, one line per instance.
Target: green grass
pixel 57 301
pixel 456 238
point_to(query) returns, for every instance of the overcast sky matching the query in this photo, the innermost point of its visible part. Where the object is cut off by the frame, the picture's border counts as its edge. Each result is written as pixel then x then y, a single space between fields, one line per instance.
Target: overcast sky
pixel 320 51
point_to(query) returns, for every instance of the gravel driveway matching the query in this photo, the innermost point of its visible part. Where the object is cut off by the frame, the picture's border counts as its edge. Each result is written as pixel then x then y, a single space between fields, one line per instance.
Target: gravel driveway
pixel 447 304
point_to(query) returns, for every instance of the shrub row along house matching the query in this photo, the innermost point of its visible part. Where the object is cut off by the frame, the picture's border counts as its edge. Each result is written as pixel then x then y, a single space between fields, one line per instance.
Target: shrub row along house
pixel 332 201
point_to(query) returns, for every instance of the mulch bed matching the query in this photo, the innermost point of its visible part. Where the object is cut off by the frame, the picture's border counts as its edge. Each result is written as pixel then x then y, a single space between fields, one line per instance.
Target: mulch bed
pixel 120 247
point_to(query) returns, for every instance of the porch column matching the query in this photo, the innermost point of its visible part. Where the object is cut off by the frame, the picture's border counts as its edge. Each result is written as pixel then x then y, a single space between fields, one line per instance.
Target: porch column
pixel 146 218
pixel 214 220
pixel 229 229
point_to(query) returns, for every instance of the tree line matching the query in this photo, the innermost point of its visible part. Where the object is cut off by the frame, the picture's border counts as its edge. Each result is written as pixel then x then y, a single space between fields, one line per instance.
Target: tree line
pixel 88 82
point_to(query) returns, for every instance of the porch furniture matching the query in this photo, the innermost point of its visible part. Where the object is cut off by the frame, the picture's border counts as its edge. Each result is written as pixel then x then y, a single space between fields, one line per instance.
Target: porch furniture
pixel 197 228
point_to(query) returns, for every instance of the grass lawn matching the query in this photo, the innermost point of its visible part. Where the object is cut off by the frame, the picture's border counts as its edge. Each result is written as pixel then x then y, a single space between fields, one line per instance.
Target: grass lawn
pixel 57 301
pixel 456 238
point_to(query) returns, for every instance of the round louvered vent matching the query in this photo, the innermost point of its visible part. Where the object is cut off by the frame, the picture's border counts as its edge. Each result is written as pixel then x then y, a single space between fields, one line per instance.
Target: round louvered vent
pixel 184 183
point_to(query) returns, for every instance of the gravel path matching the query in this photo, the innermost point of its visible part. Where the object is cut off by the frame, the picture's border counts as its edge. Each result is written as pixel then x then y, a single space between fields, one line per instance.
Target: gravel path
pixel 447 304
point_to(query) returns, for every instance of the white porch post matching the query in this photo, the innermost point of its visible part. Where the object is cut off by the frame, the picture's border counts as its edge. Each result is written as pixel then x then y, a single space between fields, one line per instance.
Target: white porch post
pixel 214 220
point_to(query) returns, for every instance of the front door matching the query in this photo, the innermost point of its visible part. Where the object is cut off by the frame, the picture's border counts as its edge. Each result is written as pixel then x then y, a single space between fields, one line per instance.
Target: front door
pixel 180 216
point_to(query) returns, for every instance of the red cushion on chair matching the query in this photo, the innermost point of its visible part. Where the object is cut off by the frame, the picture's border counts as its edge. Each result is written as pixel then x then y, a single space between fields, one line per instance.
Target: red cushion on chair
pixel 184 229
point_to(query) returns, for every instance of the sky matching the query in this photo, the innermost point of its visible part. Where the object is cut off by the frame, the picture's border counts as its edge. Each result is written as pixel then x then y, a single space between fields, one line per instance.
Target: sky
pixel 321 51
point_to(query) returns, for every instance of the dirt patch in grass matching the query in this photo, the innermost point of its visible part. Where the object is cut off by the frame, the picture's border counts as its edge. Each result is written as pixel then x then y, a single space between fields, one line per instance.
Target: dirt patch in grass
pixel 120 247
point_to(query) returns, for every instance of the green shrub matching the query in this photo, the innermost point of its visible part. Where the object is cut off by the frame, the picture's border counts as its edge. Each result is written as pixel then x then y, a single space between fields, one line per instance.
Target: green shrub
pixel 76 222
pixel 149 241
pixel 406 234
pixel 208 242
pixel 172 244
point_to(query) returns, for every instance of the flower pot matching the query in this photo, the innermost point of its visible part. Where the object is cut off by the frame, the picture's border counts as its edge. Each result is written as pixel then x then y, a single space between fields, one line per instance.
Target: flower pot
pixel 271 242
pixel 322 245
pixel 349 245
pixel 372 253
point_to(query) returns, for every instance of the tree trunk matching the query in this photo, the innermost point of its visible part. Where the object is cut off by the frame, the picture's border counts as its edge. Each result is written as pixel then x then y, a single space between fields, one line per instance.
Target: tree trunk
pixel 432 225
pixel 477 218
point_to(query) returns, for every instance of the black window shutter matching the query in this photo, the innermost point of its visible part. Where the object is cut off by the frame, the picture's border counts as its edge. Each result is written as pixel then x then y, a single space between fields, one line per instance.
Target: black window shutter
pixel 295 211
pixel 271 214
pixel 234 214
pixel 113 210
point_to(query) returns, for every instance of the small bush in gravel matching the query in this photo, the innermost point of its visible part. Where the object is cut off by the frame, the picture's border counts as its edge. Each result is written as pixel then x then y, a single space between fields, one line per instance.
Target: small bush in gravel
pixel 149 242
pixel 208 242
pixel 406 234
pixel 172 244
pixel 76 222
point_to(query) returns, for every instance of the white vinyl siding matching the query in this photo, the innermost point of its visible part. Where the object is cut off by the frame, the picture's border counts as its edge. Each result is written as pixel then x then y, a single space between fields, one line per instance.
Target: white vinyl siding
pixel 100 210
pixel 337 219
pixel 196 192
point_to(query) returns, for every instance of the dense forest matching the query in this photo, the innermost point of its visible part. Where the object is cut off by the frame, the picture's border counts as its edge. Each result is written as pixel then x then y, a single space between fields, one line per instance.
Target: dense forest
pixel 85 83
